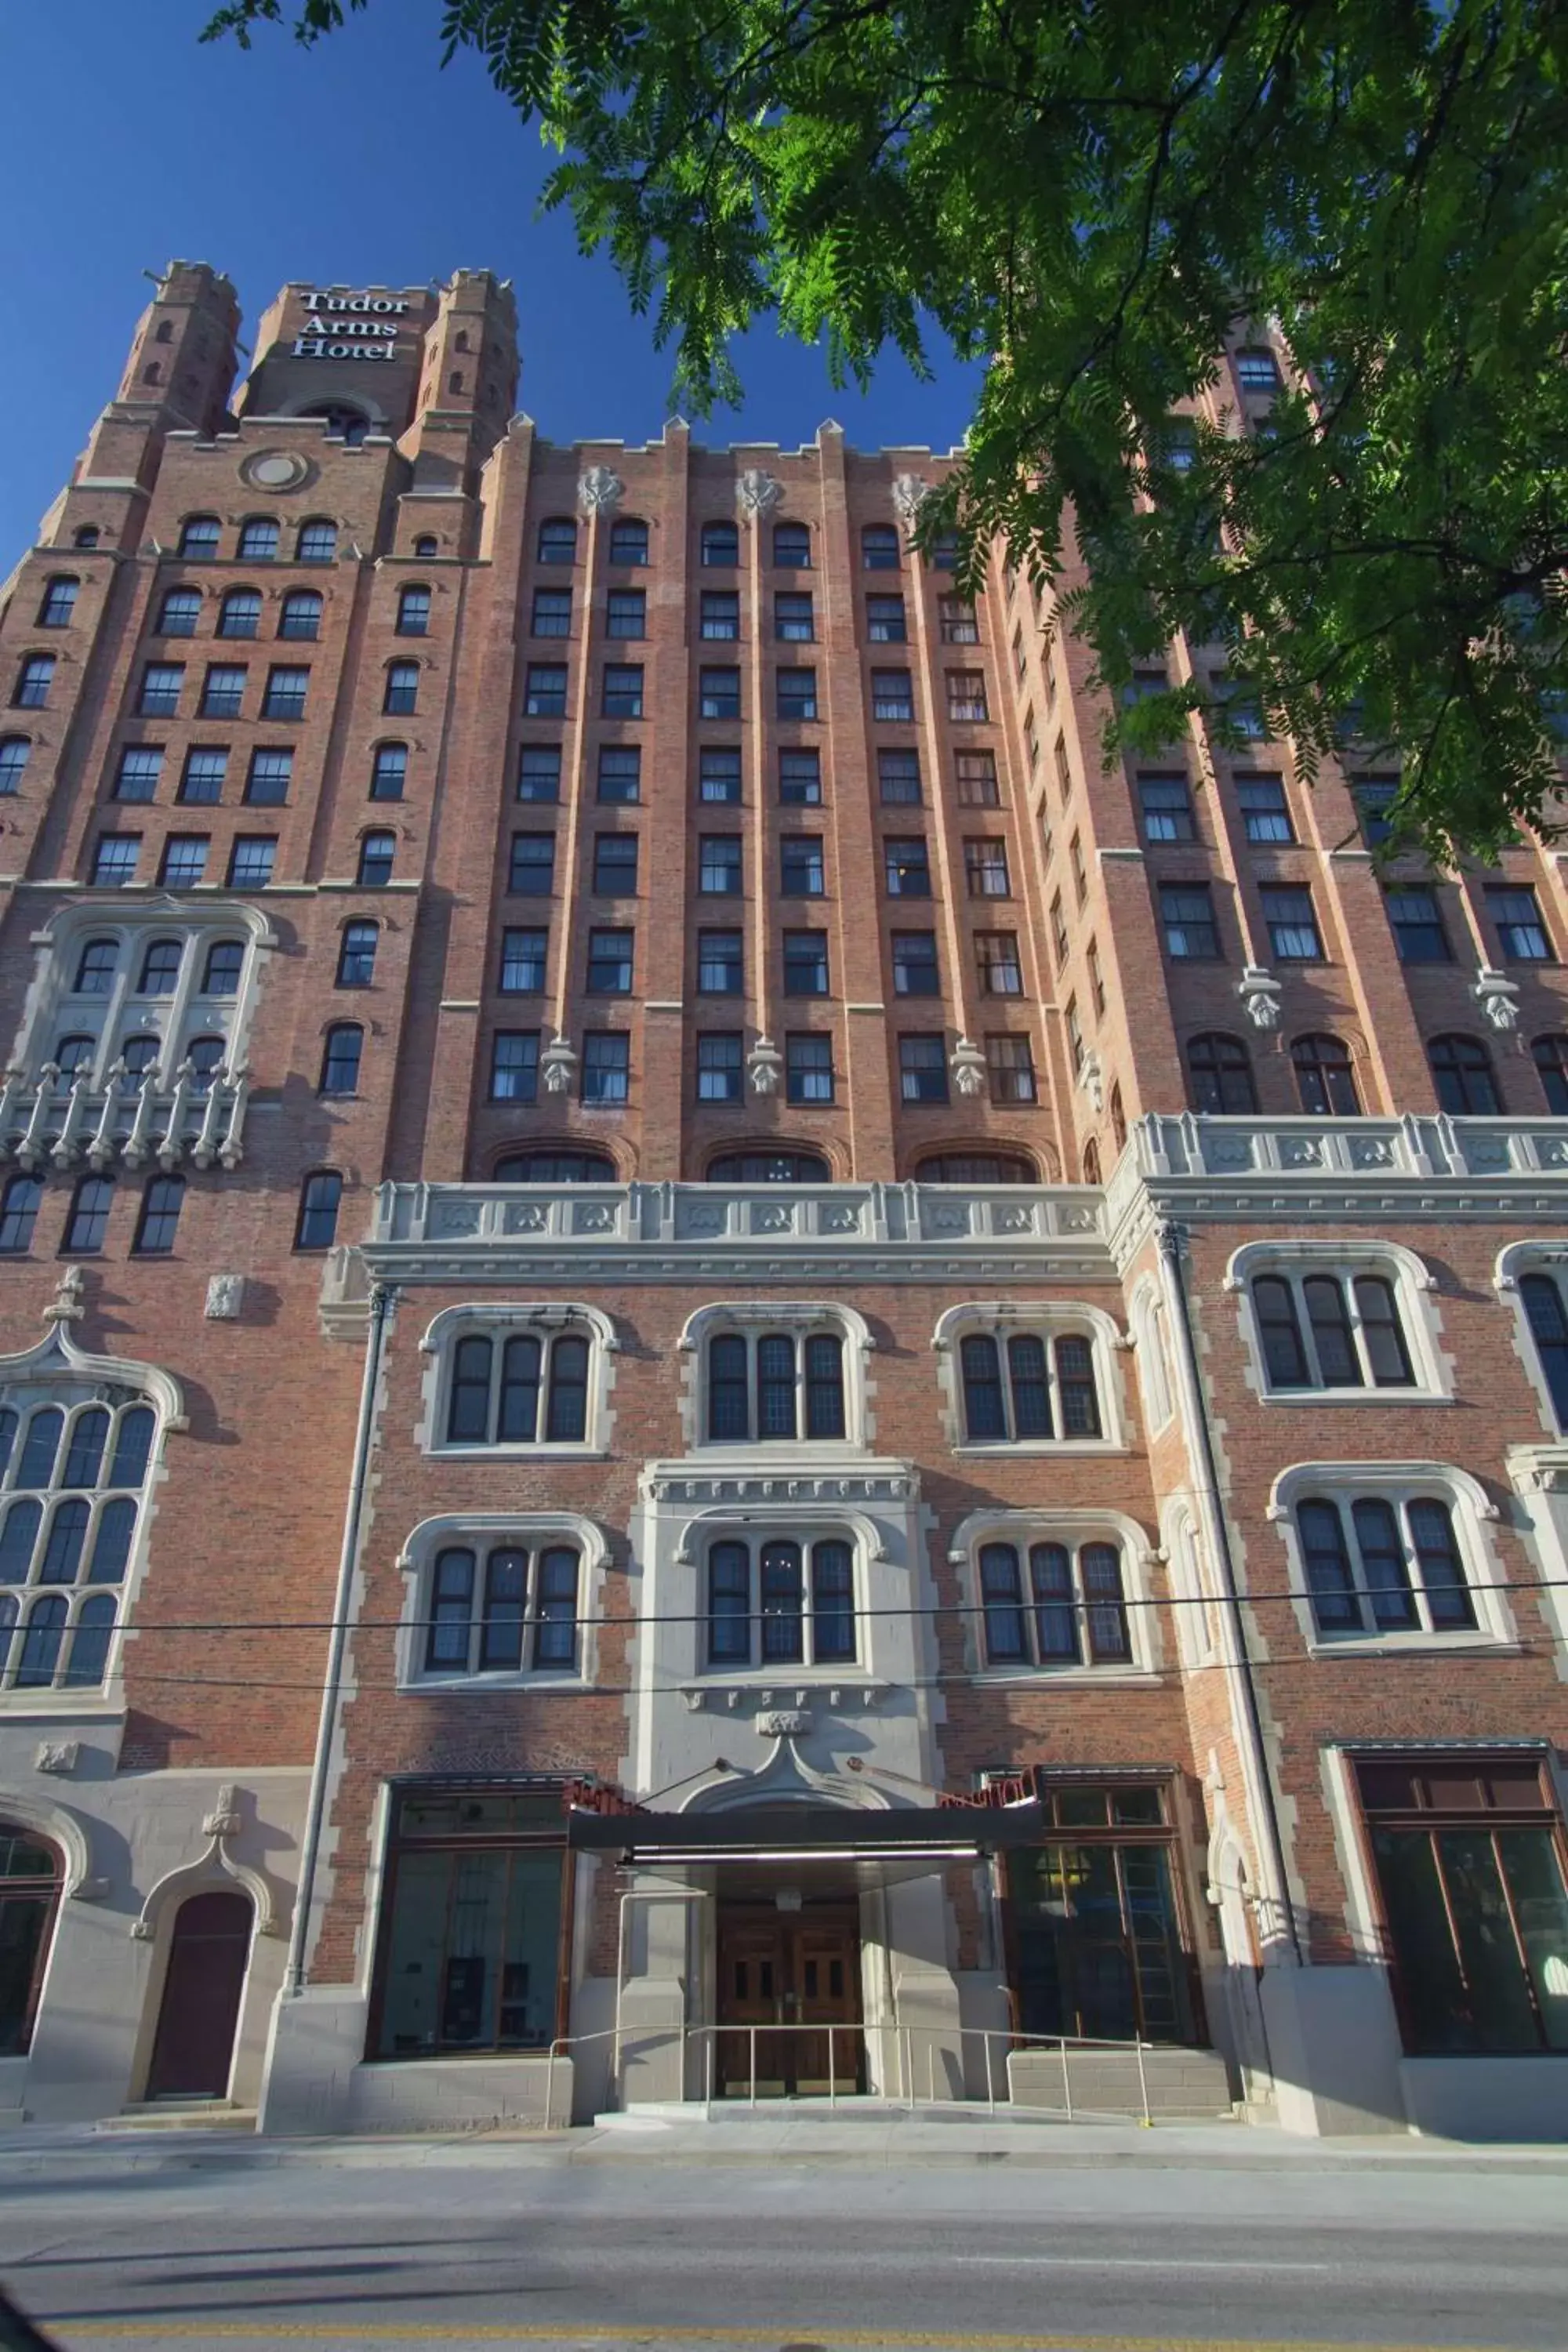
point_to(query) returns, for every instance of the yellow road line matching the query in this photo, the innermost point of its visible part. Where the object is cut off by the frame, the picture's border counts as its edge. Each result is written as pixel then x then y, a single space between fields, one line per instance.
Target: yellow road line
pixel 784 2339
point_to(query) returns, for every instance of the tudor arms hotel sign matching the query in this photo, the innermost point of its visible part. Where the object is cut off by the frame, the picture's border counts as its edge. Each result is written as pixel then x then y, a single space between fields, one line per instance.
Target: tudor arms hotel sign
pixel 350 327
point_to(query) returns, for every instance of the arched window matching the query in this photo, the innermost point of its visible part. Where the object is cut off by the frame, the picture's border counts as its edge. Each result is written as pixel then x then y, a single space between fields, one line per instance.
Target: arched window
pixel 720 546
pixel 400 696
pixel 88 1220
pixel 426 546
pixel 1220 1075
pixel 179 613
pixel 257 539
pixel 300 616
pixel 628 539
pixel 1550 1055
pixel 777 1601
pixel 1118 1120
pixel 1331 1330
pixel 199 538
pixel 161 968
pixel 75 1053
pixel 70 1474
pixel 341 1058
pixel 206 1057
pixel 60 602
pixel 1325 1079
pixel 160 1218
pixel 31 1879
pixel 414 611
pixel 317 541
pixel 225 965
pixel 765 1386
pixel 554 1167
pixel 517 1605
pixel 977 1168
pixel 1462 1073
pixel 356 954
pixel 34 679
pixel 1073 1613
pixel 139 1054
pixel 557 541
pixel 18 1212
pixel 455 380
pixel 1541 1296
pixel 389 772
pixel 792 546
pixel 343 424
pixel 239 614
pixel 1026 1388
pixel 880 548
pixel 14 754
pixel 320 1196
pixel 768 1168
pixel 531 1388
pixel 96 967
pixel 377 854
pixel 1091 1163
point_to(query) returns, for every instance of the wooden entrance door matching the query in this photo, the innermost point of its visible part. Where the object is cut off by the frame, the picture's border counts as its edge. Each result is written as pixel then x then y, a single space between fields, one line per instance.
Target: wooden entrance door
pixel 193 2051
pixel 782 1969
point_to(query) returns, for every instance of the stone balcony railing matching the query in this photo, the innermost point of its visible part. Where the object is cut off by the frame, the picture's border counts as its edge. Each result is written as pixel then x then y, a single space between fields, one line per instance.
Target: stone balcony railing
pixel 56 1120
pixel 1418 1145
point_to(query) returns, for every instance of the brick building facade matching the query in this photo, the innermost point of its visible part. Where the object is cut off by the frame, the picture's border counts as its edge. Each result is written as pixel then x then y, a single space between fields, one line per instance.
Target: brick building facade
pixel 722 1371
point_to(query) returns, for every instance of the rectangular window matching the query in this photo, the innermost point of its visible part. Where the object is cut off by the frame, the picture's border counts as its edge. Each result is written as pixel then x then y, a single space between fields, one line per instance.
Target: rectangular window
pixel 1080 878
pixel 1375 798
pixel 184 860
pixel 907 867
pixel 285 695
pixel 1521 934
pixel 1257 371
pixel 533 869
pixel 625 613
pixel 915 970
pixel 959 625
pixel 719 694
pixel 720 963
pixel 797 694
pixel 899 778
pixel 1167 808
pixel 808 1069
pixel 801 874
pixel 975 773
pixel 1010 1070
pixel 1095 1927
pixel 620 772
pixel 719 864
pixel 719 772
pixel 922 1068
pixel 967 694
pixel 720 613
pixel 610 963
pixel 136 777
pixel 161 685
pixel 800 777
pixel 1058 932
pixel 1293 936
pixel 269 776
pixel 202 778
pixel 539 771
pixel 223 691
pixel 251 860
pixel 1188 919
pixel 552 612
pixel 1264 810
pixel 986 869
pixel 616 865
pixel 885 624
pixel 623 690
pixel 793 621
pixel 545 690
pixel 114 858
pixel 719 1072
pixel 996 954
pixel 606 1067
pixel 1417 924
pixel 893 695
pixel 514 1066
pixel 522 955
pixel 806 963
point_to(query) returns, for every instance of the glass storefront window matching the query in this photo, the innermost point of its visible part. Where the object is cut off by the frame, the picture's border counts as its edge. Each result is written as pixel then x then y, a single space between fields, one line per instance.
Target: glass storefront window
pixel 29 1893
pixel 1097 1941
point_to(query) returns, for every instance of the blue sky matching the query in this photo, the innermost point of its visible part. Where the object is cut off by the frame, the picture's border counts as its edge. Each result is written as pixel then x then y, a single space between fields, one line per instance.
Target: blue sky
pixel 128 145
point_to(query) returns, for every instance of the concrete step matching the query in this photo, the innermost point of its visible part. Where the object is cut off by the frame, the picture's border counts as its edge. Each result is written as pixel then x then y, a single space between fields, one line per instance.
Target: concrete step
pixel 181 2115
pixel 655 2115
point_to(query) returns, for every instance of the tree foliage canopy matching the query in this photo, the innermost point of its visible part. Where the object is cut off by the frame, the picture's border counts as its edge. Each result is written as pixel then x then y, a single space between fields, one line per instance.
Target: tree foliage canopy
pixel 1096 198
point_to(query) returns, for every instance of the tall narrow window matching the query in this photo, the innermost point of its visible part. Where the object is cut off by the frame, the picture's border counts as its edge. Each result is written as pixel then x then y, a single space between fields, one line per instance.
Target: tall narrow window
pixel 341 1058
pixel 1221 1076
pixel 1325 1079
pixel 356 955
pixel 320 1196
pixel 160 1217
pixel 1462 1073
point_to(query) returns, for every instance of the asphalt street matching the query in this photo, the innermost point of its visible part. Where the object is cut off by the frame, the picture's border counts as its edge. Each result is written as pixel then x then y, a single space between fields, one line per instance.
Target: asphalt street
pixel 1106 2244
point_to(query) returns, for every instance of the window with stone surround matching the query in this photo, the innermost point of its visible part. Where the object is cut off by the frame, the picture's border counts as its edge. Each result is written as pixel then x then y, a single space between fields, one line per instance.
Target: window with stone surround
pixel 775 1601
pixel 1053 1592
pixel 1337 1317
pixel 1030 1378
pixel 777 1373
pixel 528 1380
pixel 1389 1554
pixel 506 1605
pixel 140 983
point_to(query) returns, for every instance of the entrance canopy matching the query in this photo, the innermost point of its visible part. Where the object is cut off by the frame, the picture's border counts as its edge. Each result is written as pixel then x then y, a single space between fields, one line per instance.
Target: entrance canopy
pixel 807 1832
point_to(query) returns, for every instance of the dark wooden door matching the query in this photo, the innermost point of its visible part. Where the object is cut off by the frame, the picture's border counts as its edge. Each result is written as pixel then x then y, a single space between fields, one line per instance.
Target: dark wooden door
pixel 193 2051
pixel 778 1968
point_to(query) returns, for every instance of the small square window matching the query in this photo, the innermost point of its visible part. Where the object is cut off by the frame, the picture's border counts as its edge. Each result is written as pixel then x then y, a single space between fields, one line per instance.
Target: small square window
pixel 721 545
pixel 136 779
pixel 161 683
pixel 606 1067
pixel 628 539
pixel 720 963
pixel 616 865
pixel 915 969
pixel 808 1070
pixel 719 1067
pixel 719 772
pixel 622 695
pixel 899 778
pixel 620 772
pixel 1256 371
pixel 184 860
pixel 532 873
pixel 625 613
pixel 801 872
pixel 514 1066
pixel 286 691
pixel 880 547
pixel 223 691
pixel 957 622
pixel 545 694
pixel 922 1068
pixel 720 613
pixel 1417 923
pixel 797 694
pixel 269 776
pixel 719 694
pixel 806 963
pixel 792 546
pixel 203 776
pixel 800 777
pixel 114 858
pixel 1167 808
pixel 892 696
pixel 250 861
pixel 1187 919
pixel 967 694
pixel 794 621
pixel 552 612
pixel 1264 810
pixel 539 771
pixel 885 622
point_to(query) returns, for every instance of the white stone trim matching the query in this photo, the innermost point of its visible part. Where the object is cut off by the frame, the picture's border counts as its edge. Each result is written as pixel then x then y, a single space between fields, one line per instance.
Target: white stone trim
pixel 543 1318
pixel 1150 1347
pixel 479 1530
pixel 1474 1514
pixel 1414 1285
pixel 1514 1261
pixel 1073 1528
pixel 1050 1319
pixel 753 1318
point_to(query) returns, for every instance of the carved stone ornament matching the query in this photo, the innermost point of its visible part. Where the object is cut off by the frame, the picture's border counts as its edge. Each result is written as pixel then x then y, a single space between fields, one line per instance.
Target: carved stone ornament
pixel 66 1305
pixel 1498 997
pixel 1091 1078
pixel 764 1066
pixel 556 1065
pixel 226 1296
pixel 783 1723
pixel 1260 993
pixel 910 494
pixel 599 489
pixel 57 1756
pixel 757 493
pixel 968 1065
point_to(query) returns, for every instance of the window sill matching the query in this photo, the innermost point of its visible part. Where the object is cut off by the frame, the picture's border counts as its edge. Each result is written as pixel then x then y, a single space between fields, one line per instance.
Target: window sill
pixel 518 1453
pixel 1367 1396
pixel 1464 1644
pixel 37 1707
pixel 536 1680
pixel 1001 1449
pixel 1090 1677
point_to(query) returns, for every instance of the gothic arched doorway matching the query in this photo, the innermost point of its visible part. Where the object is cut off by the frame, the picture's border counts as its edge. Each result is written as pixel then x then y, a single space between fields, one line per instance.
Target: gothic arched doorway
pixel 193 2051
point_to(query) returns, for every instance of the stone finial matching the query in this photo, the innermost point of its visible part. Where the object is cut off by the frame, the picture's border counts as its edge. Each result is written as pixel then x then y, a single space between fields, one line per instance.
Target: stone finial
pixel 758 493
pixel 599 489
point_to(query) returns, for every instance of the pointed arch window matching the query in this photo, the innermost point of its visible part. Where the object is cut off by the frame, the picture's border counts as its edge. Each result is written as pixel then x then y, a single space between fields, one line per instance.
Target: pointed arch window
pixel 1219 1075
pixel 71 1474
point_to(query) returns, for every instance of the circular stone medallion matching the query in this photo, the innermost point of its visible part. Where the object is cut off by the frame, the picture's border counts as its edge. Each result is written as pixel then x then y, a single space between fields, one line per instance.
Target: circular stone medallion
pixel 275 469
